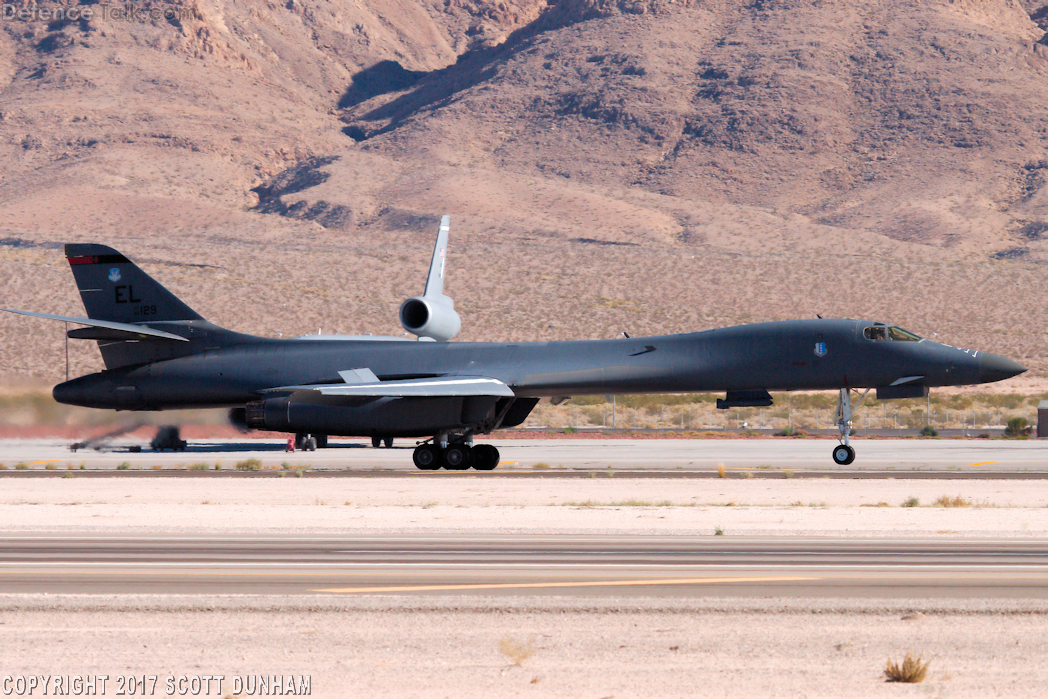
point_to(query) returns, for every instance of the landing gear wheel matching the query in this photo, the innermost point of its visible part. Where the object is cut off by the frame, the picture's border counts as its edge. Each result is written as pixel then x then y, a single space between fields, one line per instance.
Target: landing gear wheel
pixel 485 457
pixel 426 457
pixel 457 457
pixel 843 454
pixel 388 442
pixel 311 444
pixel 376 441
pixel 300 440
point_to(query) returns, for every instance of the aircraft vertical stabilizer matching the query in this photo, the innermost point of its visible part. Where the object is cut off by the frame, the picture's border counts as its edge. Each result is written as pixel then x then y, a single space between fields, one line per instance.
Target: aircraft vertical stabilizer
pixel 115 289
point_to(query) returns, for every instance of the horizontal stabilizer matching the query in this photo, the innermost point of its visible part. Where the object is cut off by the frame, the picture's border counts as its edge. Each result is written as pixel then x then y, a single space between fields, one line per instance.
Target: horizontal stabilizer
pixel 124 331
pixel 442 386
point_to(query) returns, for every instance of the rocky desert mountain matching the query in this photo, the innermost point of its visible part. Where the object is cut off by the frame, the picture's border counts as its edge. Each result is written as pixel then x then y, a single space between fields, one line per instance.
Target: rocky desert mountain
pixel 641 165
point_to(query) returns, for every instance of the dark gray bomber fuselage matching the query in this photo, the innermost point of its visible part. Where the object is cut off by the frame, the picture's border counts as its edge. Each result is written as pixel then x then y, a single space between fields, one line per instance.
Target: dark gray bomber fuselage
pixel 771 356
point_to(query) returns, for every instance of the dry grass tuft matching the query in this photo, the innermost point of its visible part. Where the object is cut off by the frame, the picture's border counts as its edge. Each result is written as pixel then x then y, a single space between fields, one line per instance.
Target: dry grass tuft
pixel 249 465
pixel 517 651
pixel 721 471
pixel 541 465
pixel 882 503
pixel 911 670
pixel 947 501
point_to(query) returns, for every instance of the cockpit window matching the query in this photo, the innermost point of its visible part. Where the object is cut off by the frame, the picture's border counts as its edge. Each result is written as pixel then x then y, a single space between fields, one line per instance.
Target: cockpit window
pixel 875 333
pixel 899 334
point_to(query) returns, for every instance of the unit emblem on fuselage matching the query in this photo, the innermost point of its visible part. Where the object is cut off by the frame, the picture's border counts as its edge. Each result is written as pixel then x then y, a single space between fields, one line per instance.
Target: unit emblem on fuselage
pixel 820 349
pixel 114 275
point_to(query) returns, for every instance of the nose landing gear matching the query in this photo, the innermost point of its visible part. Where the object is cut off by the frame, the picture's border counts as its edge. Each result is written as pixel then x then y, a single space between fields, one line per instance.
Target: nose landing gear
pixel 843 454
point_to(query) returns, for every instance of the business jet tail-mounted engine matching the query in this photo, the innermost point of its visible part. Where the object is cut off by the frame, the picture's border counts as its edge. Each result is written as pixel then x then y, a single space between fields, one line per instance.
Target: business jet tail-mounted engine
pixel 432 316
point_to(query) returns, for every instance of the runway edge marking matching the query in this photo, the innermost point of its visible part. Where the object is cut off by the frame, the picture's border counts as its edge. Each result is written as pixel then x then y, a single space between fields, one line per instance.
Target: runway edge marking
pixel 596 583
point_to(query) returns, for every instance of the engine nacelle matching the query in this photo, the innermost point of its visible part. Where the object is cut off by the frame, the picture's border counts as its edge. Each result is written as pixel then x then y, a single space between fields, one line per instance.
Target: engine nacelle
pixel 429 318
pixel 388 416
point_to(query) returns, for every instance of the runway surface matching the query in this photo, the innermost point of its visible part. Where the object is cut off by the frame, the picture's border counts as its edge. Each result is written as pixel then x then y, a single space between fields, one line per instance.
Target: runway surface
pixel 662 566
pixel 876 458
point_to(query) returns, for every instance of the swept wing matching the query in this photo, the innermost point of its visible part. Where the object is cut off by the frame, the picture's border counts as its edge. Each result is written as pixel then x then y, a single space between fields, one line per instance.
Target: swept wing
pixel 441 386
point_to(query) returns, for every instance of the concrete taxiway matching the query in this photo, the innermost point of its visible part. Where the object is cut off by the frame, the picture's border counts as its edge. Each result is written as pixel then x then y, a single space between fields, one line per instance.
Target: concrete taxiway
pixel 630 566
pixel 651 457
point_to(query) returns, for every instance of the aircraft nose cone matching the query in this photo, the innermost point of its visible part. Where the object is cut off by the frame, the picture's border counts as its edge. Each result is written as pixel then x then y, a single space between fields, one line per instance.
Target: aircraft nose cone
pixel 995 368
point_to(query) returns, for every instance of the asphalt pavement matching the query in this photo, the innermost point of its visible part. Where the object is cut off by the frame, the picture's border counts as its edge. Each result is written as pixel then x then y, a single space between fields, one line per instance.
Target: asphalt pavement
pixel 635 566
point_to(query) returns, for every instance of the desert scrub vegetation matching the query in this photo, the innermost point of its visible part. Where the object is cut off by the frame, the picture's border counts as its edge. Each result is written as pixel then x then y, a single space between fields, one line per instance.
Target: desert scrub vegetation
pixel 623 503
pixel 956 501
pixel 249 465
pixel 911 501
pixel 792 414
pixel 912 669
pixel 1018 427
pixel 516 650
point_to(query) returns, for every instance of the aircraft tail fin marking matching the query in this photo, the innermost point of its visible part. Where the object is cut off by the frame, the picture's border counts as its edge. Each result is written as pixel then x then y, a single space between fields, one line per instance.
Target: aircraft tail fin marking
pixel 115 289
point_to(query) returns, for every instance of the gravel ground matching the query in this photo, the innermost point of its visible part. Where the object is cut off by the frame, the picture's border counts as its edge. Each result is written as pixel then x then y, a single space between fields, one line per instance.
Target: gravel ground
pixel 466 647
pixel 592 505
pixel 482 647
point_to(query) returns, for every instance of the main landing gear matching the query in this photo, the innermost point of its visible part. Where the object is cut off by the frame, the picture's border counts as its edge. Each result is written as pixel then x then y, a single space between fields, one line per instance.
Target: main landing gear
pixel 456 456
pixel 307 442
pixel 843 454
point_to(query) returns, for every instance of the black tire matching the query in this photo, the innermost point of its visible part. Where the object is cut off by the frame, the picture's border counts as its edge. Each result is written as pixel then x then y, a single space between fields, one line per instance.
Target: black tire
pixel 388 442
pixel 376 441
pixel 843 455
pixel 457 457
pixel 485 457
pixel 311 444
pixel 427 457
pixel 300 440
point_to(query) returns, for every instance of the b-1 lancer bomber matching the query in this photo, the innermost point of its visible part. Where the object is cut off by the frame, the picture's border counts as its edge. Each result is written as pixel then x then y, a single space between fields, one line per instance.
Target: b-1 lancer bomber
pixel 160 354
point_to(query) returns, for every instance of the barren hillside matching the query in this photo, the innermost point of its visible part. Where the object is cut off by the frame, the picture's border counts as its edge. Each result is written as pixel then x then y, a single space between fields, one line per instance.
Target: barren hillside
pixel 641 165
